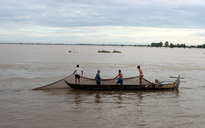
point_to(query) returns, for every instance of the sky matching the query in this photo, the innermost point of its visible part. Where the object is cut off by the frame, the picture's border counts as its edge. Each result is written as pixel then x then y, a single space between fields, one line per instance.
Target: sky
pixel 102 21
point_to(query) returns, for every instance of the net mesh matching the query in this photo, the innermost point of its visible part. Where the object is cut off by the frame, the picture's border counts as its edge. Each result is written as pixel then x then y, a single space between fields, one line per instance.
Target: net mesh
pixel 89 81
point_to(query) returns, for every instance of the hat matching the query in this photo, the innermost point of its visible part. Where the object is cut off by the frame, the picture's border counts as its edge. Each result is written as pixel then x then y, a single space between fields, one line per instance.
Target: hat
pixel 98 70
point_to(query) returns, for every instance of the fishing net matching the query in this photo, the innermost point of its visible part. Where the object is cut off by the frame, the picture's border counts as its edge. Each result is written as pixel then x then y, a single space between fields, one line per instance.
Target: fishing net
pixel 89 81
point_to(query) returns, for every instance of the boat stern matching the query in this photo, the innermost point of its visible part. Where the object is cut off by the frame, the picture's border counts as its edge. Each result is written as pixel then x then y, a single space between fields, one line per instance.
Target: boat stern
pixel 177 82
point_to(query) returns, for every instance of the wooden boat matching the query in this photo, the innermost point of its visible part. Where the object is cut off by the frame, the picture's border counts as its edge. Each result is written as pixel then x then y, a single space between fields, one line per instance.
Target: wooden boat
pixel 131 83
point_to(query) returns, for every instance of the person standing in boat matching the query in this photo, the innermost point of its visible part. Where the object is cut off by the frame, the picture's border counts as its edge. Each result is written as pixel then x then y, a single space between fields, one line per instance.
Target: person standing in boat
pixel 141 74
pixel 120 76
pixel 78 71
pixel 97 78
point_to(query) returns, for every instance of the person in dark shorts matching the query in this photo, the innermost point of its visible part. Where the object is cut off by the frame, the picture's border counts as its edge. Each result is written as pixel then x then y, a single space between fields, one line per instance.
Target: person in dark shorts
pixel 120 76
pixel 97 78
pixel 78 71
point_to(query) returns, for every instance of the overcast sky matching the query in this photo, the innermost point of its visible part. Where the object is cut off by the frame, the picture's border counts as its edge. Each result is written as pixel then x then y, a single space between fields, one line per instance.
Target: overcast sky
pixel 102 21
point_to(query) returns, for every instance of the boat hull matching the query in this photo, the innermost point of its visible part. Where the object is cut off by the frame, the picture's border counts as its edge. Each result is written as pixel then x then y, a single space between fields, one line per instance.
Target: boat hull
pixel 122 87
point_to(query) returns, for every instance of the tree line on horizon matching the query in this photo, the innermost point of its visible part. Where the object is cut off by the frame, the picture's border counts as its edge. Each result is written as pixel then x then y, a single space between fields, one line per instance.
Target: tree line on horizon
pixel 171 45
pixel 160 44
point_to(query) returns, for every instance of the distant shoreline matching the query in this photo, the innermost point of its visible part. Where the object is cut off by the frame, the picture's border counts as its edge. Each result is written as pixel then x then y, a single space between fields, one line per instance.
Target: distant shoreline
pixel 76 44
pixel 133 45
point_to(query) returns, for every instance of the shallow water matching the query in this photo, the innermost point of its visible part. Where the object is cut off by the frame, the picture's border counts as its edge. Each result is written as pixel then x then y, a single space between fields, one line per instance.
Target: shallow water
pixel 23 67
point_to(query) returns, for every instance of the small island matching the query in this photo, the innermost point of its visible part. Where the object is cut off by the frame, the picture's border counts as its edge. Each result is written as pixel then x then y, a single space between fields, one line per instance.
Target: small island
pixel 116 51
pixel 103 51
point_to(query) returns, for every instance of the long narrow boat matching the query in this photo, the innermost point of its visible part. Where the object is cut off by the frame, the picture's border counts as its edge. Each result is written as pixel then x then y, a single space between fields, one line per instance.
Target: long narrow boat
pixel 131 83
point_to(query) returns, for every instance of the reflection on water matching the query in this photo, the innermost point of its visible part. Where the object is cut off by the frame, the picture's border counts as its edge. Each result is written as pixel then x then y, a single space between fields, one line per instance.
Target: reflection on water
pixel 97 98
pixel 118 97
pixel 110 104
pixel 30 66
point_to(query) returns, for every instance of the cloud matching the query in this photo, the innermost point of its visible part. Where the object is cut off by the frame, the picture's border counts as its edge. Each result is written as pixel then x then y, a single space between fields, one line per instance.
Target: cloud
pixel 103 34
pixel 96 13
pixel 80 17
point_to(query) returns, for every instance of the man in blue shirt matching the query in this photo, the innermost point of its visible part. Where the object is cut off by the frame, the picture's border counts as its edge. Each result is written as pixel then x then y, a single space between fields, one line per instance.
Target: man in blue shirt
pixel 97 78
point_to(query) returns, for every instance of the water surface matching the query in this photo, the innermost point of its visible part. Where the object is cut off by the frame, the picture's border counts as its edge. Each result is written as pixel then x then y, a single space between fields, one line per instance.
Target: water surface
pixel 23 67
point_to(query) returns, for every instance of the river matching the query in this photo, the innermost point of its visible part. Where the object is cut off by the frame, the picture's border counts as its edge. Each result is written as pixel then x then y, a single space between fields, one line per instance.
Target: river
pixel 23 67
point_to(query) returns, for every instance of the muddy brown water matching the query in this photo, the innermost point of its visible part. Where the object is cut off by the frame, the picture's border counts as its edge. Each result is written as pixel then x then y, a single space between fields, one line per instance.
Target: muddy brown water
pixel 23 67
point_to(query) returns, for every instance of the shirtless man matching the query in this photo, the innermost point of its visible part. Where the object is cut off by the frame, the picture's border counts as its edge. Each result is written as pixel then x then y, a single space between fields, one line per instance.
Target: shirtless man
pixel 120 80
pixel 141 74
